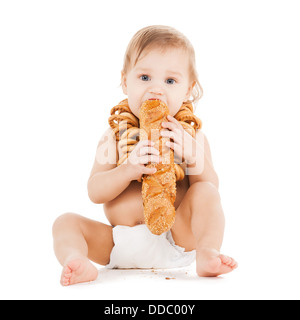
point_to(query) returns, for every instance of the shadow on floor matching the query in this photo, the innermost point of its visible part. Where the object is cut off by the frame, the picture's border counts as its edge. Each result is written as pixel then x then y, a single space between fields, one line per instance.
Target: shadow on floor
pixel 181 274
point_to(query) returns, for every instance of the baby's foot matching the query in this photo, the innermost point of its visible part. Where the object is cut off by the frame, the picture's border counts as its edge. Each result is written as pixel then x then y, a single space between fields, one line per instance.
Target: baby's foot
pixel 78 270
pixel 210 263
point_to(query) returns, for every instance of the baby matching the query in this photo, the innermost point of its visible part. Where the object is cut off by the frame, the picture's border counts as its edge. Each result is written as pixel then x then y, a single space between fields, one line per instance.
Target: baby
pixel 159 64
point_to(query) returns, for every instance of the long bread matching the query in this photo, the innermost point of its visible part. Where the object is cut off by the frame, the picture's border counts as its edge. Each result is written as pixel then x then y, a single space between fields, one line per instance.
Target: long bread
pixel 159 189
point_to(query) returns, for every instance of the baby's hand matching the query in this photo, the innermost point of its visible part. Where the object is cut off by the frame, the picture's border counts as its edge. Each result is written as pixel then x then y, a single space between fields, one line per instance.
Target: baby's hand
pixel 142 154
pixel 184 145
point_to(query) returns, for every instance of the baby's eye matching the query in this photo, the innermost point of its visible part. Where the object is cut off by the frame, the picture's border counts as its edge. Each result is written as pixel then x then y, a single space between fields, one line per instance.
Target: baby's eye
pixel 170 81
pixel 144 77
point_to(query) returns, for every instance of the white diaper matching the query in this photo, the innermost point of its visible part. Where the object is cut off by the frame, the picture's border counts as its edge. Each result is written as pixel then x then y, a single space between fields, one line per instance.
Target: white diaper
pixel 137 247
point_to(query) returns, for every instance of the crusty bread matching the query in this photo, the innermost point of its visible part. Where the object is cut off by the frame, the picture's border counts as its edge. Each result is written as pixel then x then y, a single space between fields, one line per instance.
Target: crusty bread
pixel 159 189
pixel 126 129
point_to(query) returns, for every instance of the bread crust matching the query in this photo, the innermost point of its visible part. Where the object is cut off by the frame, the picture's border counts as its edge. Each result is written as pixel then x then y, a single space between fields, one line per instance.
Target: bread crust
pixel 158 189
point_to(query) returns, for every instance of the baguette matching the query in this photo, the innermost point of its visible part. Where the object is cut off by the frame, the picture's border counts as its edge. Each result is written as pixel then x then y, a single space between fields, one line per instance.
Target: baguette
pixel 158 189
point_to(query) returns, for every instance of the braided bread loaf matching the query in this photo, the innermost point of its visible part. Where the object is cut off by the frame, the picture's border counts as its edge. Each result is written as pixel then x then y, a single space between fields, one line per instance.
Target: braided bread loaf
pixel 159 189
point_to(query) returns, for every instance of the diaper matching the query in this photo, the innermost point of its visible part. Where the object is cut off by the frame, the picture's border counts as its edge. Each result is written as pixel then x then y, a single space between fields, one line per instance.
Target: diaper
pixel 137 247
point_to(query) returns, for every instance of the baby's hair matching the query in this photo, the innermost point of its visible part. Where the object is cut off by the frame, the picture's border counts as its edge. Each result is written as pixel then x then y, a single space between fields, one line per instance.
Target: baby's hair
pixel 162 37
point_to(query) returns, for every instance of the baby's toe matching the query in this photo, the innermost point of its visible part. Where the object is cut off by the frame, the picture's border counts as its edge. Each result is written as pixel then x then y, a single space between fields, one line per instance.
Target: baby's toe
pixel 228 261
pixel 234 264
pixel 225 259
pixel 66 282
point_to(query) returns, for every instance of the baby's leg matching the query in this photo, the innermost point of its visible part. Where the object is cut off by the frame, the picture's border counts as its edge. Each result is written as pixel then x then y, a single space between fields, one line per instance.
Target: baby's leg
pixel 199 225
pixel 78 239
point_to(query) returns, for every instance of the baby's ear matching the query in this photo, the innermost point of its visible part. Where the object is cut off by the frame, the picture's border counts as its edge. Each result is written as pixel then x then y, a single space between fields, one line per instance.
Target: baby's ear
pixel 189 92
pixel 124 82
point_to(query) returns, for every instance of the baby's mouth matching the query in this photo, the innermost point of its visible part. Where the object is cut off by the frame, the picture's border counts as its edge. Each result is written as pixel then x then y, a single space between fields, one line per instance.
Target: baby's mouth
pixel 154 99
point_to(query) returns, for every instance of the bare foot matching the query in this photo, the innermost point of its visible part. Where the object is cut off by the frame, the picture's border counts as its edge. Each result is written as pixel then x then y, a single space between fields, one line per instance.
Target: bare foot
pixel 78 270
pixel 210 263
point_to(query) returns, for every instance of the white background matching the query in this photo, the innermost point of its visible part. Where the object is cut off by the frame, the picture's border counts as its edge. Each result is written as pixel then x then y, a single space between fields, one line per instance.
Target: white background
pixel 60 64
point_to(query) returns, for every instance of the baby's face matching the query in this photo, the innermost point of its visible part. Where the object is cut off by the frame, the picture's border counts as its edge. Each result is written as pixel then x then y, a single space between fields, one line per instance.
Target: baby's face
pixel 159 75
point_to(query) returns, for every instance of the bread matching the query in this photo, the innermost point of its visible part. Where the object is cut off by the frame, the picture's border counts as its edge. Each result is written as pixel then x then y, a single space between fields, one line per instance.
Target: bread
pixel 159 189
pixel 126 129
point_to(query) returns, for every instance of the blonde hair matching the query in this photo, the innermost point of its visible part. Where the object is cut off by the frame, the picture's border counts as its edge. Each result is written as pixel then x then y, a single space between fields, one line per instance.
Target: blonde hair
pixel 163 37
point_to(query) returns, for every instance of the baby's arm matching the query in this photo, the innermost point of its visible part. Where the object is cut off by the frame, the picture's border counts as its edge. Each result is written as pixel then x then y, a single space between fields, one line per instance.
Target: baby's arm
pixel 107 180
pixel 201 169
pixel 104 186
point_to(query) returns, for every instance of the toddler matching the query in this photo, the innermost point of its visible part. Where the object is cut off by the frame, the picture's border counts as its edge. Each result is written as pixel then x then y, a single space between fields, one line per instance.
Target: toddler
pixel 159 64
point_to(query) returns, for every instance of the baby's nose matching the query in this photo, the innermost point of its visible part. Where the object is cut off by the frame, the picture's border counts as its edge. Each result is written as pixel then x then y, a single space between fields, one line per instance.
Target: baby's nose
pixel 156 90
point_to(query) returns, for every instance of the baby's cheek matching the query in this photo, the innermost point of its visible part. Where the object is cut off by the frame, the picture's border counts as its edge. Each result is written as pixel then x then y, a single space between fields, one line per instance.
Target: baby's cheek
pixel 134 107
pixel 174 108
